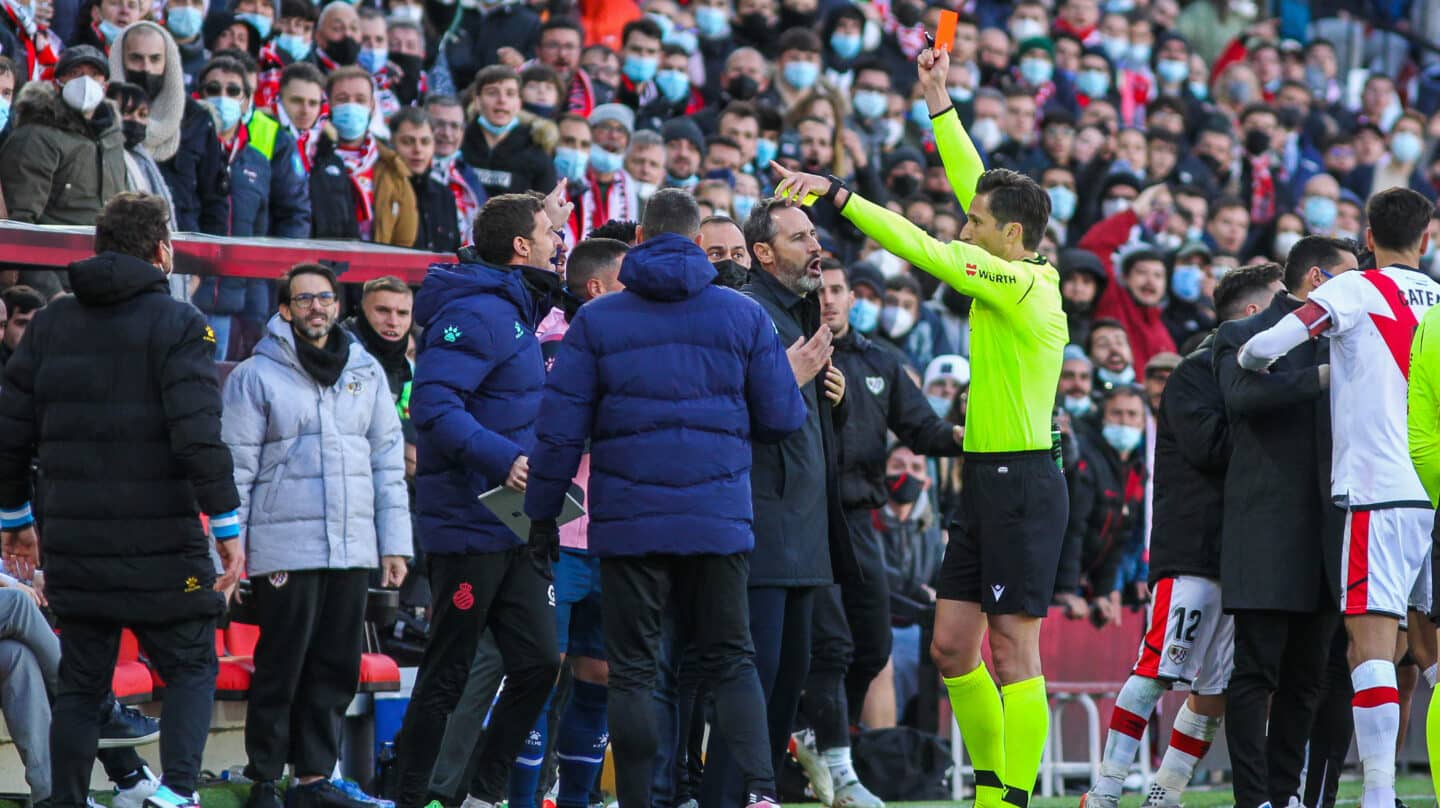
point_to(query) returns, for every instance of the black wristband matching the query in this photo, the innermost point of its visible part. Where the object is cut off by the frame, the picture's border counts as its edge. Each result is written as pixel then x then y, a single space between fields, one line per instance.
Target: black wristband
pixel 836 184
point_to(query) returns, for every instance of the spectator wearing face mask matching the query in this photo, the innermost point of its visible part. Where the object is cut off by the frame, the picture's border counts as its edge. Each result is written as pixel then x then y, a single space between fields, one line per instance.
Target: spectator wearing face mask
pixel 293 41
pixel 1401 166
pixel 1076 392
pixel 342 175
pixel 1139 293
pixel 497 144
pixel 1109 350
pixel 66 156
pixel 102 23
pixel 675 96
pixel 141 171
pixel 26 36
pixel 1083 281
pixel 1189 309
pixel 903 326
pixel 1107 503
pixel 337 38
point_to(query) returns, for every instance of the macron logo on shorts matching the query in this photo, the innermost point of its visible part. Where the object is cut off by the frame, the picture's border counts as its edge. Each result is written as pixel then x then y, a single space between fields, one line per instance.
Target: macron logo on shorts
pixel 998 591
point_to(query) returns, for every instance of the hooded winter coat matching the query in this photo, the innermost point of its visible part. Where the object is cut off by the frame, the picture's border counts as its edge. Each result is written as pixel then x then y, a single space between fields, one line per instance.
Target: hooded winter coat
pixel 670 381
pixel 115 388
pixel 57 167
pixel 477 387
pixel 320 471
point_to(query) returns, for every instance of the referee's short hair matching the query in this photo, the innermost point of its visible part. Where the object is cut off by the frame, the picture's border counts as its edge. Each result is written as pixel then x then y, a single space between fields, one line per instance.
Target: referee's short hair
pixel 1014 197
pixel 1315 251
pixel 671 210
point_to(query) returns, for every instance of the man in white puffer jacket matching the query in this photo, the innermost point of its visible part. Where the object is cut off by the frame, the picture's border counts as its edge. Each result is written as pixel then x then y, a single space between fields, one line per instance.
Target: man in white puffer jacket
pixel 320 466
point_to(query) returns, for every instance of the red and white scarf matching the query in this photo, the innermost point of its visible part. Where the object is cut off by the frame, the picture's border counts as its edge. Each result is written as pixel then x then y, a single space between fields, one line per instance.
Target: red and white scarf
pixel 360 166
pixel 42 49
pixel 1262 191
pixel 594 206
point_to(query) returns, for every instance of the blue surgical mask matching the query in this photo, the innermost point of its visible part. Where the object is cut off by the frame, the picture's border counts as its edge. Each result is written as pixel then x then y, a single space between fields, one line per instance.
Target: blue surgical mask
pixel 960 95
pixel 228 109
pixel 681 182
pixel 1200 90
pixel 373 59
pixel 295 46
pixel 1078 405
pixel 4 112
pixel 571 163
pixel 742 206
pixel 1239 91
pixel 1140 54
pixel 109 31
pixel 713 23
pixel 494 130
pixel 940 404
pixel 800 74
pixel 1405 147
pixel 864 316
pixel 640 69
pixel 666 24
pixel 1172 71
pixel 1122 438
pixel 1185 283
pixel 1093 83
pixel 1126 376
pixel 920 114
pixel 260 21
pixel 684 40
pixel 605 161
pixel 184 21
pixel 673 84
pixel 1036 71
pixel 1320 213
pixel 1116 47
pixel 1119 6
pixel 765 151
pixel 1062 202
pixel 846 46
pixel 351 120
pixel 870 104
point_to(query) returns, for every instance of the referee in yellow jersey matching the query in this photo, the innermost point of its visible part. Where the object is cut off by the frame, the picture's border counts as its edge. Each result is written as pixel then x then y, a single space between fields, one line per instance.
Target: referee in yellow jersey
pixel 1000 564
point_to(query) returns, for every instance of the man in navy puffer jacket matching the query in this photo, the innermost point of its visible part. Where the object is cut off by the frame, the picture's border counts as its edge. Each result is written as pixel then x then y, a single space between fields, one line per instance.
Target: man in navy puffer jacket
pixel 476 390
pixel 669 380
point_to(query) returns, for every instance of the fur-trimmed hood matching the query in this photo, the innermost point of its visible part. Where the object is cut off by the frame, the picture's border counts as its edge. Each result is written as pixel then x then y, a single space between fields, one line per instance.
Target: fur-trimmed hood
pixel 162 136
pixel 40 104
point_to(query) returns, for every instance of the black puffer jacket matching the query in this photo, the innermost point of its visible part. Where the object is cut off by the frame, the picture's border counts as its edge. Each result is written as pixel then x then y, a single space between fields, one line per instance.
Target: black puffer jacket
pixel 198 175
pixel 1192 451
pixel 332 195
pixel 882 399
pixel 115 389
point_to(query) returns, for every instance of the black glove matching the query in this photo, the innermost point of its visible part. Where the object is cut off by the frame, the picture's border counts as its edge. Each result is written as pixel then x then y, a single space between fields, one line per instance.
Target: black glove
pixel 545 539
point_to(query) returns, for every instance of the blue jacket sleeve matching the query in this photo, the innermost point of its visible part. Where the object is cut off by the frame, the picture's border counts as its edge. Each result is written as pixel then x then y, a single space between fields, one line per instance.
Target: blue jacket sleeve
pixel 776 406
pixel 447 374
pixel 289 191
pixel 567 411
pixel 213 178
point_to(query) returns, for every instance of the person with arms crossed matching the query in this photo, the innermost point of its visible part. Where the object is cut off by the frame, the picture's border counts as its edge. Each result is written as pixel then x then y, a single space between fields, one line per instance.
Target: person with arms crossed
pixel 1370 318
pixel 1190 642
pixel 999 569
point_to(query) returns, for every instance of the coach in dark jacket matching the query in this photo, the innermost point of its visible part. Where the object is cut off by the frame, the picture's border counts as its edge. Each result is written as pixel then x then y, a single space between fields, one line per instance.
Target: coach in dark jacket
pixel 1278 516
pixel 672 380
pixel 474 399
pixel 115 389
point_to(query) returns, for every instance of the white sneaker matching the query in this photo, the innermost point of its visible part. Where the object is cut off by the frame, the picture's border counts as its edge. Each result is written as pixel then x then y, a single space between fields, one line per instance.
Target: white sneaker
pixel 802 749
pixel 855 795
pixel 135 796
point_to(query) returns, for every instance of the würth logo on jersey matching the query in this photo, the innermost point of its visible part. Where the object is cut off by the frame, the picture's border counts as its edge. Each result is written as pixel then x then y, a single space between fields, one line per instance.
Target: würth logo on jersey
pixel 970 269
pixel 987 275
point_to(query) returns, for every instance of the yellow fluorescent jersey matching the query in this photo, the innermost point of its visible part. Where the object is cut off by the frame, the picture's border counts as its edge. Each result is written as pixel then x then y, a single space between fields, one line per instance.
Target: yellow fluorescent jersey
pixel 1423 403
pixel 1017 328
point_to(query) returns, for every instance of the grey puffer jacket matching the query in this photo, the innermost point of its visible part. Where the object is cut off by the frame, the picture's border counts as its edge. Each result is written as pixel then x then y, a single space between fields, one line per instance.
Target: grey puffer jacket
pixel 321 471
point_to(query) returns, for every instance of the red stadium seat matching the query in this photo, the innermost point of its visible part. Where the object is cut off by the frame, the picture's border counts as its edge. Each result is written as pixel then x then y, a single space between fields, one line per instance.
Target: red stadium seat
pixel 378 674
pixel 131 682
pixel 232 682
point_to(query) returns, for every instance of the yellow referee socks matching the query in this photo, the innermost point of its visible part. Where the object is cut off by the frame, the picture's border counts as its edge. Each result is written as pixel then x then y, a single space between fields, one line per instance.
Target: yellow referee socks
pixel 982 720
pixel 1027 723
pixel 1432 738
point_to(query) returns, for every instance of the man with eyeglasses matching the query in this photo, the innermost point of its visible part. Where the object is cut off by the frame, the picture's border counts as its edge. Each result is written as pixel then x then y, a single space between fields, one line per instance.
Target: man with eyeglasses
pixel 323 502
pixel 447 121
pixel 561 39
pixel 269 194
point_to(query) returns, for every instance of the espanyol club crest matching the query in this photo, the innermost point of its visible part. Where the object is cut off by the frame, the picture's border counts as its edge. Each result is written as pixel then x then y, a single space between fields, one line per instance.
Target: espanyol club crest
pixel 875 384
pixel 1177 654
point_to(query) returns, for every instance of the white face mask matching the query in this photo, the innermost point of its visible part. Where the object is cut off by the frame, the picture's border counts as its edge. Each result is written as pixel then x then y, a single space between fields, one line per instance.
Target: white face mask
pixel 83 94
pixel 987 132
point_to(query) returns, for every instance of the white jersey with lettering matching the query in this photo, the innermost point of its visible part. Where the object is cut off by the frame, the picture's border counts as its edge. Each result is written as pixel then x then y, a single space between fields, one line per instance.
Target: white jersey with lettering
pixel 1370 318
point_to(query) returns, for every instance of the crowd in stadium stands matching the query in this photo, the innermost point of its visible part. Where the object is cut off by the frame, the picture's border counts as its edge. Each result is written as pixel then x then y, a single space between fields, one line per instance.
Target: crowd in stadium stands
pixel 1177 140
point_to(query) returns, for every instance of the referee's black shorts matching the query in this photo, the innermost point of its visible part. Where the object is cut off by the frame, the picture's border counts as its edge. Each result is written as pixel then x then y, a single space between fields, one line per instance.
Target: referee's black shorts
pixel 1004 548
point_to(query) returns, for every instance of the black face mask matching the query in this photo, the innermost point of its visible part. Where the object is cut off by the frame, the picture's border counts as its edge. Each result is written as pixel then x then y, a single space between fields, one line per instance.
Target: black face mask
pixel 344 52
pixel 149 82
pixel 730 274
pixel 742 88
pixel 1256 142
pixel 546 111
pixel 795 19
pixel 903 489
pixel 956 303
pixel 757 29
pixel 408 88
pixel 904 186
pixel 134 132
